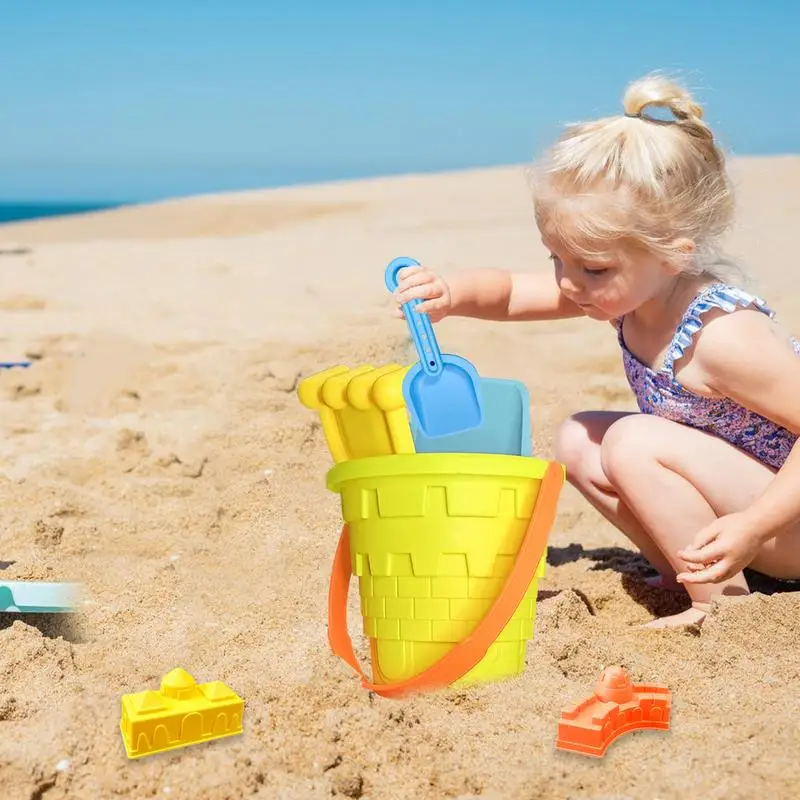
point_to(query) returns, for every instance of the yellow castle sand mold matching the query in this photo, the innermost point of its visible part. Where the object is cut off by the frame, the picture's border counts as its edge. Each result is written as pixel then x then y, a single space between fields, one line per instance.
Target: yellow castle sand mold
pixel 181 713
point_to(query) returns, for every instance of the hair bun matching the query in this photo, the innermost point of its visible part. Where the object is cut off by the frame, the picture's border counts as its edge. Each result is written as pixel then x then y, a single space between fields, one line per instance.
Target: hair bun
pixel 661 92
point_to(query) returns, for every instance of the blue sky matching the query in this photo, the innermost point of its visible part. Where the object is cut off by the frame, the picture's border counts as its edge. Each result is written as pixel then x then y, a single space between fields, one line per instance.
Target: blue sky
pixel 138 100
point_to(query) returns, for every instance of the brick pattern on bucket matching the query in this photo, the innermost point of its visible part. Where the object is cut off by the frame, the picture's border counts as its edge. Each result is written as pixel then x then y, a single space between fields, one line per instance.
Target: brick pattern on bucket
pixel 409 608
pixel 421 594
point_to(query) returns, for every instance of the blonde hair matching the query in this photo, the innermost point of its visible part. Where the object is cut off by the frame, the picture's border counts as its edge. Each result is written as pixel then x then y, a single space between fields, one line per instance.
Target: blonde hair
pixel 641 178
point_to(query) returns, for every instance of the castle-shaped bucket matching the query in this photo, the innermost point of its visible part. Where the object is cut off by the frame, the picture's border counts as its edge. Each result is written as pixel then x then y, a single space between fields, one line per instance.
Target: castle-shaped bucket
pixel 448 549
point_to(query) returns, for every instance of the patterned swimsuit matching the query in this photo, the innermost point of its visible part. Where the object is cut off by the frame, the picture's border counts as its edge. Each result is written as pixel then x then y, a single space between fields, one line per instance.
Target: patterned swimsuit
pixel 659 393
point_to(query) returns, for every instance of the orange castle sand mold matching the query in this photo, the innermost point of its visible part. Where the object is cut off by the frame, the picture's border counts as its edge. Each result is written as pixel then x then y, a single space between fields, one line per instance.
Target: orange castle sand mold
pixel 616 707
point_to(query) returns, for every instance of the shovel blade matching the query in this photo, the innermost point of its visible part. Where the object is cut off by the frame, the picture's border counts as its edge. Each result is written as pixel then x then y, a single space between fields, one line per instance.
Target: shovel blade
pixel 447 403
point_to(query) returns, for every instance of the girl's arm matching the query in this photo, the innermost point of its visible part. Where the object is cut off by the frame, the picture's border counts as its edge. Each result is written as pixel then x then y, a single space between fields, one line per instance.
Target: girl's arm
pixel 778 508
pixel 745 358
pixel 508 296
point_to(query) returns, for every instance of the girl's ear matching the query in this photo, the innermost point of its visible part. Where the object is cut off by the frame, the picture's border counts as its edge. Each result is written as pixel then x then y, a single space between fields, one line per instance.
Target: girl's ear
pixel 685 245
pixel 683 249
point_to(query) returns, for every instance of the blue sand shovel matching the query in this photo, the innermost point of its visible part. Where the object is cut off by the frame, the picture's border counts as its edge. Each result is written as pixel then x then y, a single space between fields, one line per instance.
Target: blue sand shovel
pixel 14 364
pixel 442 391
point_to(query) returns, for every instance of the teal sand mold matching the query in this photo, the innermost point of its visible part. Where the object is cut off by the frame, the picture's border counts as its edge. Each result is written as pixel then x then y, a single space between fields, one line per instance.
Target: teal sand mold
pixel 38 597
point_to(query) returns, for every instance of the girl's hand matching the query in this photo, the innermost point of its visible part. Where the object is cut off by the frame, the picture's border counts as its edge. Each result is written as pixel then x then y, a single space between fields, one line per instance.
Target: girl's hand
pixel 420 283
pixel 720 550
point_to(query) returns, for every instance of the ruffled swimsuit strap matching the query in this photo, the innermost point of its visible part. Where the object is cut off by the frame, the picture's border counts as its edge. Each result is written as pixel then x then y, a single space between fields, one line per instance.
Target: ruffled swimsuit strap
pixel 717 295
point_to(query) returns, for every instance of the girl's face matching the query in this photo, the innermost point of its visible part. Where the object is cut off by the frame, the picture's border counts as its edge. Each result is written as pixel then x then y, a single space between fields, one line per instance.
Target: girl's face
pixel 613 283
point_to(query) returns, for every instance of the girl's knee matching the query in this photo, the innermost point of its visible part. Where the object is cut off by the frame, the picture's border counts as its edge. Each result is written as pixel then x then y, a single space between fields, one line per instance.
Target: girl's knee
pixel 625 447
pixel 570 441
pixel 574 446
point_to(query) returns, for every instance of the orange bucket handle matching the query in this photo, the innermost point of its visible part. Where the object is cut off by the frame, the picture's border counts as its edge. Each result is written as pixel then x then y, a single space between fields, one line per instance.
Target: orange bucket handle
pixel 469 651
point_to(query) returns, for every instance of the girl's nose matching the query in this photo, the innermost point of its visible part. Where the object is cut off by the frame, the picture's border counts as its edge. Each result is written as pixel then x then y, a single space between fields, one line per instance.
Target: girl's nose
pixel 568 286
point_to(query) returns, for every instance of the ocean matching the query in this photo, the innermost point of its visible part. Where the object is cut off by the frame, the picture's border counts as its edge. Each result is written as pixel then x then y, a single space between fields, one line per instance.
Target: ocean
pixel 16 212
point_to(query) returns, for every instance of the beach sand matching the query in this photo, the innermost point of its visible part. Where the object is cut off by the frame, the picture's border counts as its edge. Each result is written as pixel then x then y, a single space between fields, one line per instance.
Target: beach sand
pixel 156 452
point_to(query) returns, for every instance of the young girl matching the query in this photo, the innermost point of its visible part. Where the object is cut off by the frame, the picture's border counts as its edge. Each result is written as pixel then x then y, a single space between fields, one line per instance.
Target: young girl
pixel 706 479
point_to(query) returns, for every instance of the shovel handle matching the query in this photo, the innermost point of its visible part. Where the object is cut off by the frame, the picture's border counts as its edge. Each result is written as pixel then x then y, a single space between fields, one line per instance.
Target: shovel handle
pixel 430 356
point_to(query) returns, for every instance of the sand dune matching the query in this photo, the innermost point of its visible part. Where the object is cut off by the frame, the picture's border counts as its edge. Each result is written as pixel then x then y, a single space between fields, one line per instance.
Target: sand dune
pixel 157 453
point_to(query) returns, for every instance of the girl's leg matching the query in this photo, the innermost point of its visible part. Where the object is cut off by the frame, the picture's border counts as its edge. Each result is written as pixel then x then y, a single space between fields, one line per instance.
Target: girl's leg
pixel 578 447
pixel 676 480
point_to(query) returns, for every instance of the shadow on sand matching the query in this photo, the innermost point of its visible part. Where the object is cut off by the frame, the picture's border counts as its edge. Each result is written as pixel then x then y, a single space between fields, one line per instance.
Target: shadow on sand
pixel 634 568
pixel 53 626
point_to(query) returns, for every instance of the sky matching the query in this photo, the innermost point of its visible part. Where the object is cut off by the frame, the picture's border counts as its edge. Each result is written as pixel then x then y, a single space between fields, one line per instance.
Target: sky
pixel 131 101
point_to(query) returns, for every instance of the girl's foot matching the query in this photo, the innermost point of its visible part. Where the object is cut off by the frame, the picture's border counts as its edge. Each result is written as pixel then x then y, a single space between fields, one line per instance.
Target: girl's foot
pixel 668 584
pixel 692 616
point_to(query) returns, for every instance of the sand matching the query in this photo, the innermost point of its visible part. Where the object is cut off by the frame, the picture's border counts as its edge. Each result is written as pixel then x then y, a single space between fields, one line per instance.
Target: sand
pixel 156 453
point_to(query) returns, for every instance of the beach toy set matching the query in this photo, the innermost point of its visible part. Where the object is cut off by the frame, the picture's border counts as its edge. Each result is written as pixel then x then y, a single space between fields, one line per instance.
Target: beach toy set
pixel 446 515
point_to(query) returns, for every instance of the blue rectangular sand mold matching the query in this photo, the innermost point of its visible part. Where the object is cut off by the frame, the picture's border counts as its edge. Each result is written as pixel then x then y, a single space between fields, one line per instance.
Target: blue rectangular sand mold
pixel 506 426
pixel 38 597
pixel 442 391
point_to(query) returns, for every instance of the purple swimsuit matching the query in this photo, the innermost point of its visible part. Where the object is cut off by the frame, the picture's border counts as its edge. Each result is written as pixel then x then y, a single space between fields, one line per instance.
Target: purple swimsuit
pixel 661 394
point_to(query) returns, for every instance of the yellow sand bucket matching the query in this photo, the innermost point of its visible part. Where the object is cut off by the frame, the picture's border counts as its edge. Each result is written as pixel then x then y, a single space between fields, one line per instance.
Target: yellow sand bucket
pixel 448 549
